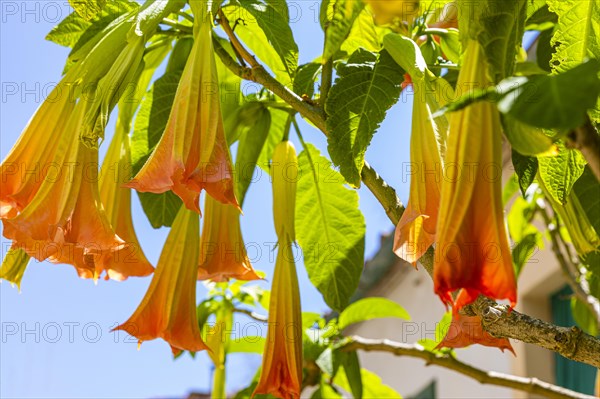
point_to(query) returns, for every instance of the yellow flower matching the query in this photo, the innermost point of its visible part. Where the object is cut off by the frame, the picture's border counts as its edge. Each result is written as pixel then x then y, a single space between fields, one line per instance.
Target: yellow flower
pixel 281 373
pixel 192 153
pixel 415 231
pixel 129 261
pixel 472 251
pixel 168 310
pixel 222 252
pixel 386 11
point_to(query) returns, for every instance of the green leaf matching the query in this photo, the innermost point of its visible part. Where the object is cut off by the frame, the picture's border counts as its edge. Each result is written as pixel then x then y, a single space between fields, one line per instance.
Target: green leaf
pixel 498 25
pixel 330 229
pixel 407 54
pixel 279 124
pixel 555 101
pixel 325 391
pixel 544 50
pixel 525 168
pixel 373 387
pixel 587 190
pixel 160 209
pixel 337 30
pixel 304 82
pixel 526 139
pixel 576 38
pixel 524 250
pixel 255 39
pixel 351 366
pixel 87 9
pixel 560 172
pixel 329 361
pixel 371 308
pixel 277 31
pixel 179 55
pixel 71 29
pixel 366 87
pixel 450 44
pixel 247 344
pixel 251 144
pixel 363 34
pixel 13 266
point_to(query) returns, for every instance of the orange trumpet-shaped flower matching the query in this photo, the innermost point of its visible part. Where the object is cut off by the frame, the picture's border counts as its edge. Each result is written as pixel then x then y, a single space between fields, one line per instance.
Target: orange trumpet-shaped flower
pixel 281 373
pixel 222 252
pixel 472 250
pixel 30 160
pixel 116 170
pixel 192 154
pixel 64 220
pixel 415 231
pixel 467 330
pixel 168 310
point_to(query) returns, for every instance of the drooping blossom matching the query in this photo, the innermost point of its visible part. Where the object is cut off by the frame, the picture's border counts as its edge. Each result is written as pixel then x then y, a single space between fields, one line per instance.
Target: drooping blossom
pixel 472 251
pixel 168 310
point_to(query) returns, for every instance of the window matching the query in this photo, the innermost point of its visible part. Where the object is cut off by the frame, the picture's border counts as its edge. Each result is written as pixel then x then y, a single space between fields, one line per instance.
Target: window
pixel 577 376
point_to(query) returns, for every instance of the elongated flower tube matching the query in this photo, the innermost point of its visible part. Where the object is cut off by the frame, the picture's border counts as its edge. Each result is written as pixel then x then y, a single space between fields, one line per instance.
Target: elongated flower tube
pixel 472 250
pixel 64 221
pixel 415 231
pixel 192 153
pixel 222 252
pixel 281 373
pixel 30 160
pixel 116 170
pixel 168 310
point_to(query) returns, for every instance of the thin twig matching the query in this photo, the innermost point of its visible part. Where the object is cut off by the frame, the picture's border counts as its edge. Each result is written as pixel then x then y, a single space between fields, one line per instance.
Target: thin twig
pixel 237 45
pixel 531 385
pixel 252 315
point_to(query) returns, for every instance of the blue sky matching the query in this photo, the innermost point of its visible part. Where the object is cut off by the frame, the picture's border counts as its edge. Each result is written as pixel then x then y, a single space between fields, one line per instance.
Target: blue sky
pixel 55 334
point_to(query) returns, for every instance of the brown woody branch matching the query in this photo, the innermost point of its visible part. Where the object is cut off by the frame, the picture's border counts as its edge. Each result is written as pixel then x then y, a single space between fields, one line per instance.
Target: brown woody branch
pixel 531 385
pixel 497 319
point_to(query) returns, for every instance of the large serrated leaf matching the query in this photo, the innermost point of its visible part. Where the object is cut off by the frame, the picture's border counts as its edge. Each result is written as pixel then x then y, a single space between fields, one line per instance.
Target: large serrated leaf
pixel 559 173
pixel 337 30
pixel 71 29
pixel 576 37
pixel 277 31
pixel 330 229
pixel 366 87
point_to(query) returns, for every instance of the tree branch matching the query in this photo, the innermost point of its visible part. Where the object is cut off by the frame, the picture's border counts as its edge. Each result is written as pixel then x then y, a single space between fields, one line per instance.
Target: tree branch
pixel 531 385
pixel 497 319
